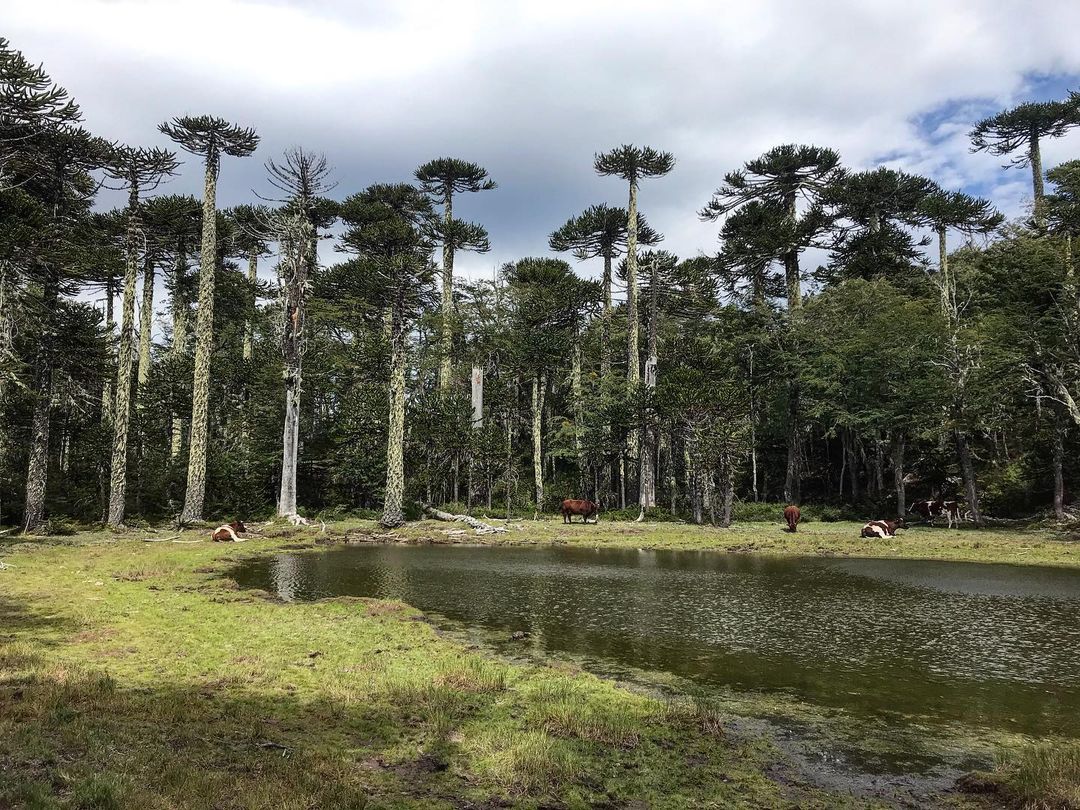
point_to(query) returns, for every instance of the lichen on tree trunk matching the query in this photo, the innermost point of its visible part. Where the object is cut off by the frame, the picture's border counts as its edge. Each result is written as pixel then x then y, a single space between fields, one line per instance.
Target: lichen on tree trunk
pixel 195 494
pixel 393 514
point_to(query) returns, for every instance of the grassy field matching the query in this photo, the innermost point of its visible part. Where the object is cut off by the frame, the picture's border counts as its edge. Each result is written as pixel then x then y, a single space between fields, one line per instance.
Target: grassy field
pixel 133 674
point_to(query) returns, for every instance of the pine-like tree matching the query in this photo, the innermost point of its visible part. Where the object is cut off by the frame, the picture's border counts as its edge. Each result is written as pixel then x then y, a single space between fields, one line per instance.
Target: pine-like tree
pixel 211 138
pixel 1022 128
pixel 781 178
pixel 392 230
pixel 441 179
pixel 304 178
pixel 632 164
pixel 137 170
pixel 600 231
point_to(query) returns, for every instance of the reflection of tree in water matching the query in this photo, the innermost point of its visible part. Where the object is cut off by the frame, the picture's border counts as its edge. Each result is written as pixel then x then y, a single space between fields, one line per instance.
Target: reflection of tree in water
pixel 915 637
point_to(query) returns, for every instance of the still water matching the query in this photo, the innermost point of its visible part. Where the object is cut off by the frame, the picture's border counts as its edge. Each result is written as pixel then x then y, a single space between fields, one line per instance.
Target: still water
pixel 988 644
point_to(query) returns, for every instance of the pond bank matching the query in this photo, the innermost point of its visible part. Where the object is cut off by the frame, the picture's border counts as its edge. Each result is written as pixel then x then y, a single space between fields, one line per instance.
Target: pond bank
pixel 133 675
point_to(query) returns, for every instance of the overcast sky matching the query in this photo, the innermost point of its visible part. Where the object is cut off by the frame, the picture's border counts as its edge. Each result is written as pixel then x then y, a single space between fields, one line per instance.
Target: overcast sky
pixel 532 90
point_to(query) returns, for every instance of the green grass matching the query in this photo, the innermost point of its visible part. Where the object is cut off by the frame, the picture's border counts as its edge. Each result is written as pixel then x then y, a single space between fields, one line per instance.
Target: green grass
pixel 133 674
pixel 1042 776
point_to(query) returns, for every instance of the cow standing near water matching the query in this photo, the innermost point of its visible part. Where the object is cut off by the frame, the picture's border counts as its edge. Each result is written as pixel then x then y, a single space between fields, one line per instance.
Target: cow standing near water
pixel 930 510
pixel 792 515
pixel 882 528
pixel 587 509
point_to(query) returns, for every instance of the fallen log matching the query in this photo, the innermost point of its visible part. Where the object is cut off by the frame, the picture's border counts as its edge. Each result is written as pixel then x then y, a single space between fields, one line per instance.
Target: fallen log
pixel 468 520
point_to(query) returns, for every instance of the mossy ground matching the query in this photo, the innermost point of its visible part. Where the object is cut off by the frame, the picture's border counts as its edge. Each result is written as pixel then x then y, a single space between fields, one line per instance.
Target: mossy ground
pixel 133 674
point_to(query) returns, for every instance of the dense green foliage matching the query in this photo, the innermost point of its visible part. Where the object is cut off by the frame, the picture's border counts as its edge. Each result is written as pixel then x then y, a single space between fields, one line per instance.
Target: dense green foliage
pixel 903 367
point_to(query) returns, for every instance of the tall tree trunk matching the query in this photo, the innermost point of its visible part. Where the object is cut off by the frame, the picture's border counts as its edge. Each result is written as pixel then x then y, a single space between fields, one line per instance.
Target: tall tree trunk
pixel 967 470
pixel 633 368
pixel 605 321
pixel 579 411
pixel 297 261
pixel 898 473
pixel 1059 476
pixel 477 392
pixel 393 514
pixel 791 260
pixel 249 324
pixel 446 306
pixel 195 494
pixel 538 385
pixel 121 419
pixel 146 326
pixel 647 472
pixel 1038 192
pixel 792 478
pixel 727 472
pixel 509 474
pixel 37 472
pixel 178 305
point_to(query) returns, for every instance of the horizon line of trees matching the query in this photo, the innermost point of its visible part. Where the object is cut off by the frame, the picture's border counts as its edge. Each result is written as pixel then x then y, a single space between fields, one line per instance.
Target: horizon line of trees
pixel 382 382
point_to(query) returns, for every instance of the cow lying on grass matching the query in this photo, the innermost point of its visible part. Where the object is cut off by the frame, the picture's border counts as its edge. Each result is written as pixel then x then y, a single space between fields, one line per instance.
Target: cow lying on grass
pixel 229 532
pixel 882 528
pixel 587 509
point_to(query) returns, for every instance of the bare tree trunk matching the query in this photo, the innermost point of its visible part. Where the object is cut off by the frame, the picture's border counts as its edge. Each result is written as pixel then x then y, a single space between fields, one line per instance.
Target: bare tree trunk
pixel 179 339
pixel 121 420
pixel 37 472
pixel 967 470
pixel 646 474
pixel 195 494
pixel 727 472
pixel 249 324
pixel 792 479
pixel 146 325
pixel 446 306
pixel 538 385
pixel 1038 193
pixel 477 379
pixel 1059 476
pixel 579 411
pixel 898 474
pixel 393 514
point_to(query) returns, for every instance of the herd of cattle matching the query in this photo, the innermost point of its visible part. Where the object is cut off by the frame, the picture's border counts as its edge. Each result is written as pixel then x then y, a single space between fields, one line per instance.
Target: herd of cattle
pixel 928 510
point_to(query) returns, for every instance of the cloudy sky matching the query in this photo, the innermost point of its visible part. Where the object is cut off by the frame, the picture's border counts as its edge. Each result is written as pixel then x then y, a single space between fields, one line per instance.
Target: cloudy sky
pixel 531 90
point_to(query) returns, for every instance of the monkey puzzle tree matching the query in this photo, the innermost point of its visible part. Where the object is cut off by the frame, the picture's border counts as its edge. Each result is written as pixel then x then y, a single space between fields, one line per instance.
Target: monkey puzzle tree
pixel 56 176
pixel 601 231
pixel 251 238
pixel 1063 212
pixel 391 231
pixel 781 178
pixel 633 163
pixel 441 179
pixel 303 176
pixel 210 137
pixel 1023 127
pixel 751 239
pixel 137 170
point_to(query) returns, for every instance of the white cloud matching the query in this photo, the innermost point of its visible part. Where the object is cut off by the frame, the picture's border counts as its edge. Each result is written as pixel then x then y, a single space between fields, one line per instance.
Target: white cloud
pixel 532 90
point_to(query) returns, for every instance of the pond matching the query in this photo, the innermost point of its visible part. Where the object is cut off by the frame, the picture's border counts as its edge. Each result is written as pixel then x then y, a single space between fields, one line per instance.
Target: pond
pixel 991 645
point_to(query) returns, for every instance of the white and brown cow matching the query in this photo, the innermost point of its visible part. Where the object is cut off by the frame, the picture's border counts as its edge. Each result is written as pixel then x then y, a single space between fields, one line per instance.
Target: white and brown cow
pixel 882 528
pixel 930 510
pixel 229 533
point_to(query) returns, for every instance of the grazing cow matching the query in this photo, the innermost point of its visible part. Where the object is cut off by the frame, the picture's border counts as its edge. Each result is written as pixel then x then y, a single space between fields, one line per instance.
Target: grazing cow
pixel 882 528
pixel 587 509
pixel 792 515
pixel 930 510
pixel 230 532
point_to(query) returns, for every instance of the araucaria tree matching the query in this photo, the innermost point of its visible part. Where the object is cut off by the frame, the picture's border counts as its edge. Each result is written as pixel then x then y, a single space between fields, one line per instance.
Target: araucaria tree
pixel 137 170
pixel 601 231
pixel 391 231
pixel 1023 128
pixel 441 179
pixel 633 163
pixel 304 177
pixel 211 138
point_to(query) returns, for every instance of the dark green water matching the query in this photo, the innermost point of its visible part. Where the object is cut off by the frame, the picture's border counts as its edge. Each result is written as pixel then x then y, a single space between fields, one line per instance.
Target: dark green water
pixel 992 645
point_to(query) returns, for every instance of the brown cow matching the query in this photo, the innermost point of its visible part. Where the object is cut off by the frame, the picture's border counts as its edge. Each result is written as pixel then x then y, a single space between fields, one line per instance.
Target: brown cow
pixel 882 528
pixel 930 510
pixel 587 509
pixel 792 515
pixel 229 532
